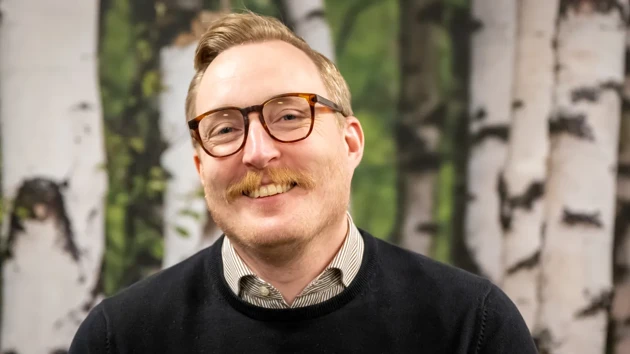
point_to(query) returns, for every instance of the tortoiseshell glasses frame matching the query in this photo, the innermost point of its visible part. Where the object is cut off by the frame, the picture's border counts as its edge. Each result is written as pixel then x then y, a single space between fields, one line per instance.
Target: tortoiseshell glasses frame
pixel 310 98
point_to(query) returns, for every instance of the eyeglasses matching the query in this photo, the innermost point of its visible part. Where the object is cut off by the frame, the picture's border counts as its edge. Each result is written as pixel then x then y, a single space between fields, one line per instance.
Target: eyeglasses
pixel 287 118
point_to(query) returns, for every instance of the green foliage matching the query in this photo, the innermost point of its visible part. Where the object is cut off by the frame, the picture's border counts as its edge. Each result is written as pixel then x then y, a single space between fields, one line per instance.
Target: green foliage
pixel 370 66
pixel 130 84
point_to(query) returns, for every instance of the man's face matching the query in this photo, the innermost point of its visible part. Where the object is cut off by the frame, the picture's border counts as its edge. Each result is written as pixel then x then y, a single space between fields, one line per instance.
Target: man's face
pixel 322 165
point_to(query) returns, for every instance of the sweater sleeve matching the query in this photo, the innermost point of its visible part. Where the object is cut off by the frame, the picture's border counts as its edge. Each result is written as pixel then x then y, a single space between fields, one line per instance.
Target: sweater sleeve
pixel 501 328
pixel 92 336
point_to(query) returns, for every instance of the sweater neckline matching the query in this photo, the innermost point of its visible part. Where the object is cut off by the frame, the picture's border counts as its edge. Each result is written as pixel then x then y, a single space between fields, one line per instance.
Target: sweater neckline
pixel 214 271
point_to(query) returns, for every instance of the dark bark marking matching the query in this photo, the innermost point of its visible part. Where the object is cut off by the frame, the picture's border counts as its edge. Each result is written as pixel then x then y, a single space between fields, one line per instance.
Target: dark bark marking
pixel 543 231
pixel 600 303
pixel 436 118
pixel 432 13
pixel 517 104
pixel 413 153
pixel 315 14
pixel 10 351
pixel 590 6
pixel 479 115
pixel 527 263
pixel 554 43
pixel 476 25
pixel 500 132
pixel 86 129
pixel 573 218
pixel 572 124
pixel 508 204
pixel 623 169
pixel 83 106
pixel 544 341
pixel 96 290
pixel 621 269
pixel 430 228
pixel 592 93
pixel 59 351
pixel 93 214
pixel 39 199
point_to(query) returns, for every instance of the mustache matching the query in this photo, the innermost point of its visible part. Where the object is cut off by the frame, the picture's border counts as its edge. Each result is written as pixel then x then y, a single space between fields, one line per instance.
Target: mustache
pixel 282 175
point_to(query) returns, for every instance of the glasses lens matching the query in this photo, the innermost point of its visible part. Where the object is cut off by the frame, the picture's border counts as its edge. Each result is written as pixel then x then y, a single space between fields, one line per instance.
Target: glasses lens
pixel 288 118
pixel 222 132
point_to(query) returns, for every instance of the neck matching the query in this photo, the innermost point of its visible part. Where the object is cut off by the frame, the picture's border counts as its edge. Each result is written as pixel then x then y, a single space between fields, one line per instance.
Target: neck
pixel 290 268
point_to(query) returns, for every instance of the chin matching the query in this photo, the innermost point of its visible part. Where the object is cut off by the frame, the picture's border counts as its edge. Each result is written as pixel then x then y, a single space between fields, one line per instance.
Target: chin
pixel 271 234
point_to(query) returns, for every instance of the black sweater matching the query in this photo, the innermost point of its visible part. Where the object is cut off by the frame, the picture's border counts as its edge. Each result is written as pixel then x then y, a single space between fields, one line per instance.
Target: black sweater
pixel 399 302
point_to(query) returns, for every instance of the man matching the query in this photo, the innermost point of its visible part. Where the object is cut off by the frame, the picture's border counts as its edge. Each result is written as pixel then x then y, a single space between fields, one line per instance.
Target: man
pixel 276 145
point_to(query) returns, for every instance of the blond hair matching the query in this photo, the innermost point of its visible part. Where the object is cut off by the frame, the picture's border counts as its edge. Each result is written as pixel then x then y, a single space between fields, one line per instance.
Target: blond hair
pixel 233 29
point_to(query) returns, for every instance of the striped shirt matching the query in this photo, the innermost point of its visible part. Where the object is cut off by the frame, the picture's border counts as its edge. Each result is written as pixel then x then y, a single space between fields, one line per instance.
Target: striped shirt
pixel 332 281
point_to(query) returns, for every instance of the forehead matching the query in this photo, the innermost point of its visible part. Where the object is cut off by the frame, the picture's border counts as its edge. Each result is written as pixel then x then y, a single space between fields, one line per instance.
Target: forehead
pixel 249 74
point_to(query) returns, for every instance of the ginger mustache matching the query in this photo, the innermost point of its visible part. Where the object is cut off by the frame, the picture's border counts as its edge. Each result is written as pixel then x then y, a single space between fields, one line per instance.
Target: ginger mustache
pixel 281 176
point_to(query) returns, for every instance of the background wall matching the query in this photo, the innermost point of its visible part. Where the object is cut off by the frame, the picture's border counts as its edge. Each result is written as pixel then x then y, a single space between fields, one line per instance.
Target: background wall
pixel 496 141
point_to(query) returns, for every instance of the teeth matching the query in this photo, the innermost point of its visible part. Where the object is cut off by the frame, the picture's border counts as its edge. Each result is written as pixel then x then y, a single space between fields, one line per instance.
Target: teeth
pixel 269 190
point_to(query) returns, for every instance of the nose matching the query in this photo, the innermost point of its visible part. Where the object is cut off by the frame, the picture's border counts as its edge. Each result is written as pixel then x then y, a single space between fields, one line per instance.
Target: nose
pixel 260 148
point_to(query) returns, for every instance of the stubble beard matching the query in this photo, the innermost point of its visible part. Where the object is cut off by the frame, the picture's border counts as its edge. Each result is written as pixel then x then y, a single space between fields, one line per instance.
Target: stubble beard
pixel 291 240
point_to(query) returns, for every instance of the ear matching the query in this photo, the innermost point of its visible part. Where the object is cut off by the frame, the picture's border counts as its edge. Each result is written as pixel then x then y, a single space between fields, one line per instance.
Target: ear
pixel 353 136
pixel 198 166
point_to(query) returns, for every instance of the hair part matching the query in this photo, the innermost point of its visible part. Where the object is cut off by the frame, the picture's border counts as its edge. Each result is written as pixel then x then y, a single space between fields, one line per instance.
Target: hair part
pixel 234 29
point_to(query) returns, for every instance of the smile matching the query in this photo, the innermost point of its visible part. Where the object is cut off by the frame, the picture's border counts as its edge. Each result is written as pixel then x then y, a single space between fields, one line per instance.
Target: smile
pixel 270 189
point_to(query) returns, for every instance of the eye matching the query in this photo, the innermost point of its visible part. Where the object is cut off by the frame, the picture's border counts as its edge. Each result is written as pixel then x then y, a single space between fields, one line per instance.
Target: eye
pixel 225 130
pixel 289 117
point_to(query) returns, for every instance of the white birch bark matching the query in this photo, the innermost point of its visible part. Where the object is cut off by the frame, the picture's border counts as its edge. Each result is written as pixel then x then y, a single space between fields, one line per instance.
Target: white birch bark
pixel 576 259
pixel 185 211
pixel 188 225
pixel 51 133
pixel 418 133
pixel 493 47
pixel 620 310
pixel 525 171
pixel 309 22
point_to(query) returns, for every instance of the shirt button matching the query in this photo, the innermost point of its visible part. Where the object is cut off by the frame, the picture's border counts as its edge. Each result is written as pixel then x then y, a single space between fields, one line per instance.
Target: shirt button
pixel 264 291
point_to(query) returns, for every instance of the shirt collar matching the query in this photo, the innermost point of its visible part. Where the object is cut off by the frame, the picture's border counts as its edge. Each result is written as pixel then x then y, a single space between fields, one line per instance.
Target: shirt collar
pixel 347 260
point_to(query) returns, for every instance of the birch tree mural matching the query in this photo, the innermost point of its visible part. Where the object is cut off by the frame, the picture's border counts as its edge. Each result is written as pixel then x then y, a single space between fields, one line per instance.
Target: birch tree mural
pixel 421 111
pixel 188 226
pixel 522 184
pixel 576 259
pixel 493 47
pixel 308 20
pixel 53 171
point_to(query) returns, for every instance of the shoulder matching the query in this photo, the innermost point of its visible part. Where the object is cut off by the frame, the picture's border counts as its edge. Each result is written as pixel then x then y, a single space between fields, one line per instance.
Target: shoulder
pixel 454 298
pixel 406 268
pixel 155 299
pixel 159 295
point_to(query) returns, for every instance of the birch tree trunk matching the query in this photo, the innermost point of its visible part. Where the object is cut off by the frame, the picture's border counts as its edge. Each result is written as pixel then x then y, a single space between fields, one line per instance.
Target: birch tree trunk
pixel 576 285
pixel 188 225
pixel 521 188
pixel 54 171
pixel 493 47
pixel 421 110
pixel 620 312
pixel 308 20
